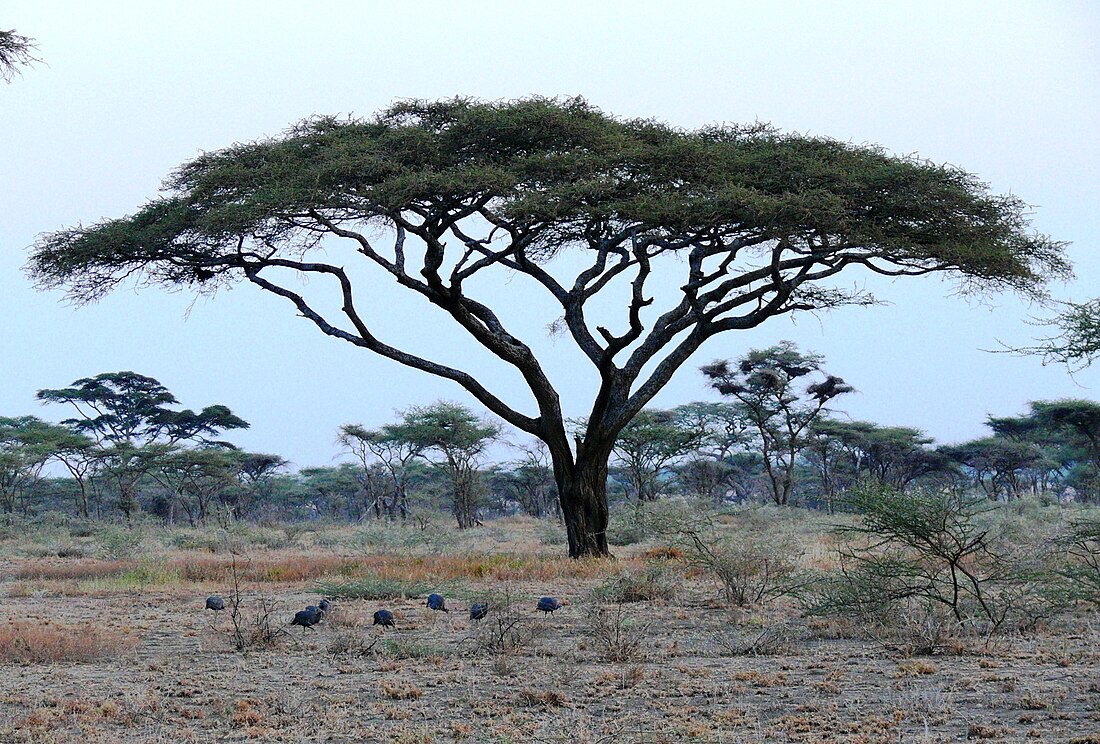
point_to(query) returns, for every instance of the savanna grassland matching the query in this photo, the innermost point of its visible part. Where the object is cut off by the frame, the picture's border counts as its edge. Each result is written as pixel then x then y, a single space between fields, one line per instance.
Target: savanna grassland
pixel 104 638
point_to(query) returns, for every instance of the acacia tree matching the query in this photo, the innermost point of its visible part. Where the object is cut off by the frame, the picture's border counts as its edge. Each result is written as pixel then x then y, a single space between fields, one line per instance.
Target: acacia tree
pixel 891 455
pixel 765 387
pixel 651 442
pixel 451 198
pixel 716 466
pixel 395 454
pixel 458 438
pixel 26 444
pixel 129 417
pixel 529 481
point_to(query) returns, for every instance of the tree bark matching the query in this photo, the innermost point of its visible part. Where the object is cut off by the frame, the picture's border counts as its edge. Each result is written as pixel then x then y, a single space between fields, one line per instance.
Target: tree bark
pixel 582 491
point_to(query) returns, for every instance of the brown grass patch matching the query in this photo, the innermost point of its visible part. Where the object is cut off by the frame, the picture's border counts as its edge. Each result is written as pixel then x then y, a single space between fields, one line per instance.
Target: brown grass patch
pixel 298 568
pixel 23 642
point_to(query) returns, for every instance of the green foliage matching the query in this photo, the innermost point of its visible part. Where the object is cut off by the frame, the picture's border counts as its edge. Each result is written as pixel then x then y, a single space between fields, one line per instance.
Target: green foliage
pixel 1077 343
pixel 750 566
pixel 937 558
pixel 118 543
pixel 648 444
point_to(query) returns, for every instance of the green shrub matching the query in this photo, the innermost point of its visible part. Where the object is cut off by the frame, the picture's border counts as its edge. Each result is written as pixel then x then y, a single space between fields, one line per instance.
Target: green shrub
pixel 930 562
pixel 750 566
pixel 116 543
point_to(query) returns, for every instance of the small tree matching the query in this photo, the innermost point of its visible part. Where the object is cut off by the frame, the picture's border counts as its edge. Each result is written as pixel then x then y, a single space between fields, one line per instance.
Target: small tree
pixel 387 448
pixel 27 444
pixel 997 464
pixel 529 482
pixel 927 551
pixel 651 442
pixel 763 384
pixel 454 438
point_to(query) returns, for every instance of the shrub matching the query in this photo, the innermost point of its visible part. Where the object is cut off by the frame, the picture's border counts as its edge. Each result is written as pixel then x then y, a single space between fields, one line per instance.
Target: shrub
pixel 656 581
pixel 507 628
pixel 929 562
pixel 116 543
pixel 751 567
pixel 619 635
pixel 769 640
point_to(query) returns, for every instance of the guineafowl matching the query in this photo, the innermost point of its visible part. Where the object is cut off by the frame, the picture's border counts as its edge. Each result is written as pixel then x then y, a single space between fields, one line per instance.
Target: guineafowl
pixel 215 603
pixel 548 604
pixel 478 610
pixel 307 618
pixel 384 618
pixel 435 602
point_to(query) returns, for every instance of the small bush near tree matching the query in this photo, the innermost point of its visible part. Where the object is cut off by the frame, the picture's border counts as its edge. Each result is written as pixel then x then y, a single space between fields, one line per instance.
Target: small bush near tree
pixel 928 563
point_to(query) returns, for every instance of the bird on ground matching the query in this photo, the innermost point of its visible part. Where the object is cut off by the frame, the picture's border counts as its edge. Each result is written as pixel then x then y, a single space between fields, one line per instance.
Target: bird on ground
pixel 307 618
pixel 323 605
pixel 478 610
pixel 435 602
pixel 215 603
pixel 384 618
pixel 548 604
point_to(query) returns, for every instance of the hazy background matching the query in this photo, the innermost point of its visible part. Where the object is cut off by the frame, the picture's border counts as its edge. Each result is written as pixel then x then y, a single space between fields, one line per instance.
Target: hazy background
pixel 129 90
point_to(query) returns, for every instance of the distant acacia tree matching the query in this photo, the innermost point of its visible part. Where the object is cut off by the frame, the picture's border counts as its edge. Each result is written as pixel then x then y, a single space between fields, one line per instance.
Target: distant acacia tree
pixel 768 386
pixel 652 441
pixel 998 465
pixel 129 417
pixel 890 455
pixel 529 481
pixel 394 453
pixel 27 444
pixel 716 467
pixel 449 199
pixel 255 475
pixel 453 437
pixel 15 51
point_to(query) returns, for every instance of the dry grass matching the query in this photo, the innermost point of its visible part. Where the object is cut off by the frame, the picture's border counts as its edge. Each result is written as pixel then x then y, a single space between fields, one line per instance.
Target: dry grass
pixel 298 568
pixel 25 642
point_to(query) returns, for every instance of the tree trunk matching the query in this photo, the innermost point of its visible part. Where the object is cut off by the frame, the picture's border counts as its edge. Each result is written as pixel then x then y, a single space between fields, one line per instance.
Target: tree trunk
pixel 582 490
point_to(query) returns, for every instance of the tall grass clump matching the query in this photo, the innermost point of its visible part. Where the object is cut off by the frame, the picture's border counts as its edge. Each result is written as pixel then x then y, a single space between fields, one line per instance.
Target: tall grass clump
pixel 26 642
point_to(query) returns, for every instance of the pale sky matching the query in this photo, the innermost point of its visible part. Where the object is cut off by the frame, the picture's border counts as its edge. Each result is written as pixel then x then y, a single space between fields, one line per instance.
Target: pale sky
pixel 127 91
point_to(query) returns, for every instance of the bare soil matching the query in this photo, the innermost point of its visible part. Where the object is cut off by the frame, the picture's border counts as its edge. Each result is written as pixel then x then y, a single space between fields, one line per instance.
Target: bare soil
pixel 431 679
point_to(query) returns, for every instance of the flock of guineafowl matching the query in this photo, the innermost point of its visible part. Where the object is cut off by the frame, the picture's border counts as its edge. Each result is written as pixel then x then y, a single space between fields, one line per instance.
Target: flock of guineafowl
pixel 314 614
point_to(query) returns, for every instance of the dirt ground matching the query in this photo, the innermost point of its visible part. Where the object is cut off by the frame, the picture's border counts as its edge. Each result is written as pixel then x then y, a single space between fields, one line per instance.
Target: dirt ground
pixel 432 679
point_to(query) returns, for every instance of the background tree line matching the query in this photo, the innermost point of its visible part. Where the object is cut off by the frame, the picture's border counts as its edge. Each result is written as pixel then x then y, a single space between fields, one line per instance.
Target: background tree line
pixel 775 436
